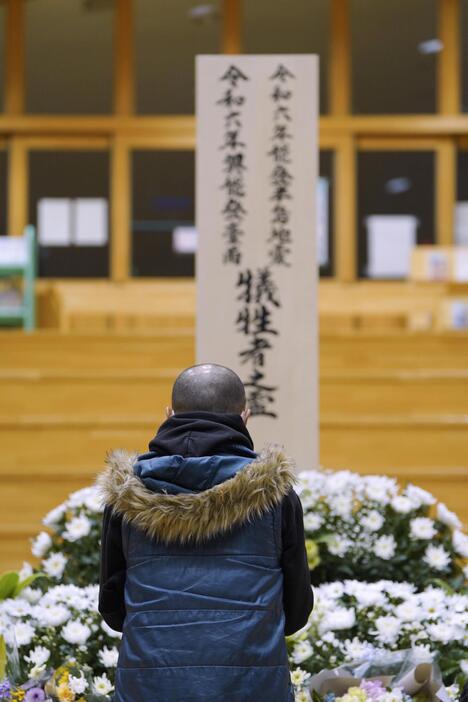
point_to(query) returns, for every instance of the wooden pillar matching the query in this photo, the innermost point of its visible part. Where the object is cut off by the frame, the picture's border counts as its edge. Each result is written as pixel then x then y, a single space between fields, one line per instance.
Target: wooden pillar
pixel 17 187
pixel 232 30
pixel 340 58
pixel 345 245
pixel 448 66
pixel 120 211
pixel 446 192
pixel 124 91
pixel 14 72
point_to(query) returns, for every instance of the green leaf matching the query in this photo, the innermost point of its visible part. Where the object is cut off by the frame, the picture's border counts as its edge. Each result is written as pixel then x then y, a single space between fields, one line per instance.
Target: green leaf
pixel 27 581
pixel 8 583
pixel 2 657
pixel 316 697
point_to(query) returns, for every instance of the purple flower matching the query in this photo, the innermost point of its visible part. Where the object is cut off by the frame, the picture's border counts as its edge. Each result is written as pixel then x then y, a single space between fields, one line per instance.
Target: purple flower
pixel 5 689
pixel 35 694
pixel 373 688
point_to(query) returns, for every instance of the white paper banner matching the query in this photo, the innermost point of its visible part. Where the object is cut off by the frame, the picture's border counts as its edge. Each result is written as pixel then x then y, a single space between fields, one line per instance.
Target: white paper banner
pixel 256 263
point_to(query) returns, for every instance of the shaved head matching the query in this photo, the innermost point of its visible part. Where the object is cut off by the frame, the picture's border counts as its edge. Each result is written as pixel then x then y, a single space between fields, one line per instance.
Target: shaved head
pixel 208 388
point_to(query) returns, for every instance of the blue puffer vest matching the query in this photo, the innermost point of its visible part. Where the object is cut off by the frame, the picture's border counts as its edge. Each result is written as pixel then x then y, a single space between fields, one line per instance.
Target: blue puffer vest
pixel 203 594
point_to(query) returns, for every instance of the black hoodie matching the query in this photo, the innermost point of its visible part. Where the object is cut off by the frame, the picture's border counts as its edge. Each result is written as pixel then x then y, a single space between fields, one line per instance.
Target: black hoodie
pixel 206 434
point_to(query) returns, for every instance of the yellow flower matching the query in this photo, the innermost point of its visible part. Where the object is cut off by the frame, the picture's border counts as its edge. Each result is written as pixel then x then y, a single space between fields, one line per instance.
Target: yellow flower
pixel 17 695
pixel 313 558
pixel 64 693
pixel 354 694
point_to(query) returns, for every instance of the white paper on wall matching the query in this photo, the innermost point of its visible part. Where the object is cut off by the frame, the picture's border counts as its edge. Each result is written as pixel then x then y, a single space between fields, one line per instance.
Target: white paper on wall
pixel 390 240
pixel 323 253
pixel 90 222
pixel 461 223
pixel 185 240
pixel 54 221
pixel 460 265
pixel 13 251
pixel 459 315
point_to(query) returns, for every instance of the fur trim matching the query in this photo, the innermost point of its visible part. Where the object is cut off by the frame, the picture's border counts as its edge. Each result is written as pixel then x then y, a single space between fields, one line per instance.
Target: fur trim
pixel 196 517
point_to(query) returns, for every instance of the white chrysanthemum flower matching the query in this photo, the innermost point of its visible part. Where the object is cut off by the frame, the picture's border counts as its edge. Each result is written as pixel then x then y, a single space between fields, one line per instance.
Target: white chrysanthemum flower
pixel 342 506
pixel 302 696
pixel 372 521
pixel 51 614
pixel 102 685
pixel 464 666
pixel 17 607
pixel 53 517
pixel 109 657
pixel 337 619
pixel 31 595
pixel 312 521
pixel 380 488
pixel 418 496
pixel 437 557
pixel 387 629
pixel 356 650
pixel 440 632
pixel 402 504
pixel 369 596
pixel 94 502
pixel 447 517
pixel 26 571
pixel 302 651
pixel 460 543
pixel 385 547
pixel 299 677
pixel 55 564
pixel 394 695
pixel 36 672
pixel 402 590
pixel 422 528
pixel 24 633
pixel 78 685
pixel 332 590
pixel 79 497
pixel 76 633
pixel 41 544
pixel 76 528
pixel 409 611
pixel 39 655
pixel 338 545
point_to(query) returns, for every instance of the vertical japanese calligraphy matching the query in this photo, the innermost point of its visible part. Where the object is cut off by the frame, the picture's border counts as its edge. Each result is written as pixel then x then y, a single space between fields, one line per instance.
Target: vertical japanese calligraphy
pixel 234 163
pixel 258 295
pixel 280 240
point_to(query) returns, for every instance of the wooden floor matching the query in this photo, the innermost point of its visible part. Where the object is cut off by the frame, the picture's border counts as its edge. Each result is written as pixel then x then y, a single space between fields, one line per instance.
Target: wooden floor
pixel 394 402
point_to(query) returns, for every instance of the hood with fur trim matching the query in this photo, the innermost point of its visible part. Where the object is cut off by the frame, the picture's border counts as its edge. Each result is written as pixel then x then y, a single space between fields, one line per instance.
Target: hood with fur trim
pixel 196 516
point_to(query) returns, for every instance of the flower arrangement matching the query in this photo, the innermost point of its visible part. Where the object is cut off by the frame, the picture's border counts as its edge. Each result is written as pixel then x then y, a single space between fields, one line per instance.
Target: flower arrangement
pixel 62 624
pixel 355 620
pixel 68 683
pixel 70 553
pixel 366 527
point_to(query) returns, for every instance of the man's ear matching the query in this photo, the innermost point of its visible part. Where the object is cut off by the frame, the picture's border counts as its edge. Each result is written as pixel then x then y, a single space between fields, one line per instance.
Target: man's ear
pixel 169 412
pixel 245 415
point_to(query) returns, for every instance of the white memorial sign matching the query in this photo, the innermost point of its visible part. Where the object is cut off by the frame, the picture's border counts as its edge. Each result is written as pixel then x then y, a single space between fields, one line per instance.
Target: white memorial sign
pixel 256 219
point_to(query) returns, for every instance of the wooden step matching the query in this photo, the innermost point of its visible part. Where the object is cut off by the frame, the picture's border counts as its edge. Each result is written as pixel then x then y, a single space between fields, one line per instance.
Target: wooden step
pixel 47 350
pixel 371 441
pixel 75 391
pixel 394 391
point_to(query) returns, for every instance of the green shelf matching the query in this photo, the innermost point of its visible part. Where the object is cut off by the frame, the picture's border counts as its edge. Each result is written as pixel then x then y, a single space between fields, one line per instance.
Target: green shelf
pixel 25 314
